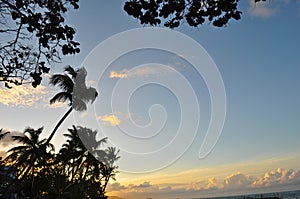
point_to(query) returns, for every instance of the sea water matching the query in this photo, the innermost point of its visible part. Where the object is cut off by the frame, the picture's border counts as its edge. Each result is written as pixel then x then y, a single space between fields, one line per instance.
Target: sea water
pixel 282 195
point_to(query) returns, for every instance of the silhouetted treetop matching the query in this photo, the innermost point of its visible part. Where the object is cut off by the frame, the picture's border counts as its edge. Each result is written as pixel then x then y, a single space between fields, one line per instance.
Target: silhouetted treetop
pixel 172 12
pixel 33 35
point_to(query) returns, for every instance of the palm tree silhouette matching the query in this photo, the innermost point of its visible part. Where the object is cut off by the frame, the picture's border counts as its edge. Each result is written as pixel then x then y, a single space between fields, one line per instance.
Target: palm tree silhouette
pixel 80 163
pixel 109 170
pixel 74 89
pixel 29 157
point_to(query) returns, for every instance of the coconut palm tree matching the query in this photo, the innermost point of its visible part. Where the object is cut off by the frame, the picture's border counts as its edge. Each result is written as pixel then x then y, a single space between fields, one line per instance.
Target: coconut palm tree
pixel 29 157
pixel 74 89
pixel 79 160
pixel 109 170
pixel 84 160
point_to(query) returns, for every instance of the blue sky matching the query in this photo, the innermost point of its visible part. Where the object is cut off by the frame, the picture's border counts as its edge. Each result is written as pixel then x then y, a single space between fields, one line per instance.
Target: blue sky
pixel 258 59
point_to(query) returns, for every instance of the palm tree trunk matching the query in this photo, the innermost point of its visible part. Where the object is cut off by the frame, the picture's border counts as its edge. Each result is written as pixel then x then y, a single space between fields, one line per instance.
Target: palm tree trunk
pixel 106 182
pixel 32 183
pixel 58 125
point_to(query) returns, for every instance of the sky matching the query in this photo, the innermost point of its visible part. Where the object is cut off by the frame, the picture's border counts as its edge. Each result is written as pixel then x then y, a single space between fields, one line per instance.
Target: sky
pixel 155 104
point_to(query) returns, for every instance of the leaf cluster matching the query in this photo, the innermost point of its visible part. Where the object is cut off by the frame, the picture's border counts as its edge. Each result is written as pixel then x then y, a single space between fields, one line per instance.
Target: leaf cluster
pixel 34 36
pixel 172 13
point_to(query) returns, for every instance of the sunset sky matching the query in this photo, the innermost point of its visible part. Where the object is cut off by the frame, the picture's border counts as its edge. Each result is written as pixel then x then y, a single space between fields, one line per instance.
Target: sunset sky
pixel 258 59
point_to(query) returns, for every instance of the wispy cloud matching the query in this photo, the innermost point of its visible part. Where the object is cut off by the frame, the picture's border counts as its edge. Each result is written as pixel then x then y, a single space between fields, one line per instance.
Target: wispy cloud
pixel 118 74
pixel 141 72
pixel 112 119
pixel 22 96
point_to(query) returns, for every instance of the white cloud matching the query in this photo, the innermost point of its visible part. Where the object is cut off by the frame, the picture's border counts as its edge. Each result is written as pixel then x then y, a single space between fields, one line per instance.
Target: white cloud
pixel 237 181
pixel 278 177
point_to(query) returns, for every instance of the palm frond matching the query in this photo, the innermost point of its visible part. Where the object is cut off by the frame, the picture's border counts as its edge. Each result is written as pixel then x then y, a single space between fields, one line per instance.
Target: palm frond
pixel 61 97
pixel 78 104
pixel 2 135
pixel 63 81
pixel 23 139
pixel 101 142
pixel 69 69
pixel 17 149
pixel 34 134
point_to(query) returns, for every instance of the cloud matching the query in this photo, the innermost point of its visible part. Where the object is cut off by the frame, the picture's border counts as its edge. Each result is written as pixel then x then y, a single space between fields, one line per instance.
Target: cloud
pixel 141 72
pixel 270 179
pixel 22 96
pixel 278 177
pixel 267 9
pixel 115 187
pixel 118 74
pixel 262 9
pixel 235 183
pixel 116 118
pixel 112 119
pixel 141 186
pixel 212 183
pixel 115 197
pixel 56 105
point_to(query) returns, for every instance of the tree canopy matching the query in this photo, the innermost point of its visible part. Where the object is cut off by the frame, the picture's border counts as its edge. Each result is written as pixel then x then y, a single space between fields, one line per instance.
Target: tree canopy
pixel 172 13
pixel 33 35
pixel 29 171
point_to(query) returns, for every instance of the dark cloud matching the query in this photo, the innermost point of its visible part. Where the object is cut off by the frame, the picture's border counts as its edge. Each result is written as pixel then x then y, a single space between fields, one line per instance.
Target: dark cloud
pixel 115 187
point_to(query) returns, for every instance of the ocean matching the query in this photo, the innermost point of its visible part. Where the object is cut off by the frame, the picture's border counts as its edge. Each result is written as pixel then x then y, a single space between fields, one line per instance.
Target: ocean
pixel 282 195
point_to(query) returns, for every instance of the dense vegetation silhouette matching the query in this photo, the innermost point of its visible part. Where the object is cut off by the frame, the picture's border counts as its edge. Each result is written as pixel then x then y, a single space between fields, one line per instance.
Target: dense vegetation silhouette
pixel 81 169
pixel 73 172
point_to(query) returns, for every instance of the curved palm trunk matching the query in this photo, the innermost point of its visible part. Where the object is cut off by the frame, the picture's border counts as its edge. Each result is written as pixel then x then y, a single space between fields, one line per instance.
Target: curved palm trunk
pixel 58 125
